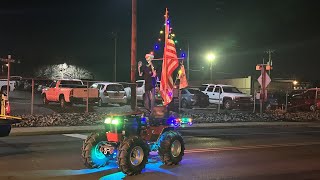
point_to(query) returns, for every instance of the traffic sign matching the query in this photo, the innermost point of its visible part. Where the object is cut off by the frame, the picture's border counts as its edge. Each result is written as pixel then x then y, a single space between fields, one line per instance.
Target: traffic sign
pixel 267 80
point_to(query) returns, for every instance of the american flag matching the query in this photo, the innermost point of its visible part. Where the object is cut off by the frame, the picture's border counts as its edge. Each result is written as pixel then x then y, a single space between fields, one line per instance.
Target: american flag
pixel 170 63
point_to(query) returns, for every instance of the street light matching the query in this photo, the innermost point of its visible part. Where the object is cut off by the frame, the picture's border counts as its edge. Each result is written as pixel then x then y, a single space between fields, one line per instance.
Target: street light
pixel 211 57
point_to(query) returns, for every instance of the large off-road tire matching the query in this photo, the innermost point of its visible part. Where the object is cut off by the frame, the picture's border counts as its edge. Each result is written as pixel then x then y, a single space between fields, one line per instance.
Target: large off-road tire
pixel 133 155
pixel 91 155
pixel 171 149
pixel 5 130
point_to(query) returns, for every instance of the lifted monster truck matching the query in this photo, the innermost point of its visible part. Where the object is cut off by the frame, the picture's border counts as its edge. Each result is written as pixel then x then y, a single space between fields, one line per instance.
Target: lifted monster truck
pixel 5 119
pixel 129 138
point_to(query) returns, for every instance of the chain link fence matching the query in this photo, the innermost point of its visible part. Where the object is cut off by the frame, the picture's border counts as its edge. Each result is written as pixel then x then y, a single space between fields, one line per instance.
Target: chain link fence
pixel 228 98
pixel 44 96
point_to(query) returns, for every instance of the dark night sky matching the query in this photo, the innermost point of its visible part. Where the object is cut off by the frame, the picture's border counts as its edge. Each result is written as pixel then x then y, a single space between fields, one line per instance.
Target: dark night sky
pixel 78 32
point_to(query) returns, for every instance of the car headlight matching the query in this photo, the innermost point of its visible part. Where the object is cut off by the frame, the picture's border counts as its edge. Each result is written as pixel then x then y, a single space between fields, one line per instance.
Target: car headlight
pixel 108 121
pixel 114 121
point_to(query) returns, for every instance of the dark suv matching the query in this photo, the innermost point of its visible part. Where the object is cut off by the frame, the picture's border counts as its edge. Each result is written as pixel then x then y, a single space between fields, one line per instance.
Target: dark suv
pixel 193 97
pixel 308 100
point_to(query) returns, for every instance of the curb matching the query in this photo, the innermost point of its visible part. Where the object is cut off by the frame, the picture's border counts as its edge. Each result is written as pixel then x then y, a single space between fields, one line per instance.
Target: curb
pixel 29 131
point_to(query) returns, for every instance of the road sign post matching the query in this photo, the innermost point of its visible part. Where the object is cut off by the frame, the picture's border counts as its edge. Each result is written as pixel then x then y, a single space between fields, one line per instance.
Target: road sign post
pixel 9 61
pixel 264 80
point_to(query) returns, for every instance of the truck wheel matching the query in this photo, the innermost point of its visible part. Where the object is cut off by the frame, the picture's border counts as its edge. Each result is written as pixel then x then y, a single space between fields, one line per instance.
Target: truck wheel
pixel 5 130
pixel 171 148
pixel 91 154
pixel 227 104
pixel 45 100
pixel 62 102
pixel 133 155
pixel 313 108
pixel 4 89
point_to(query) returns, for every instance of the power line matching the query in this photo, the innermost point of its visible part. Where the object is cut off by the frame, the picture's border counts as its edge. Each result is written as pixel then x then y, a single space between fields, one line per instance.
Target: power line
pixel 269 52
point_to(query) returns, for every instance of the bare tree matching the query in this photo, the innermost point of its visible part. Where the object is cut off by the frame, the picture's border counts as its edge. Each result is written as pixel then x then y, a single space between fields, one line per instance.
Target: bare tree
pixel 63 71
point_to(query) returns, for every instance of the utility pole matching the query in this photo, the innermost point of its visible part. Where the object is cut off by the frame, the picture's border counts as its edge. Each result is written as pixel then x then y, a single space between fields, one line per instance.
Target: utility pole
pixel 133 54
pixel 8 61
pixel 188 63
pixel 270 60
pixel 115 35
pixel 211 72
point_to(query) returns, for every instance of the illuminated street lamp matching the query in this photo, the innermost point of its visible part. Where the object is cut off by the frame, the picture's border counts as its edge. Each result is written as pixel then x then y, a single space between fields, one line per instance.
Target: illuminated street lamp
pixel 295 83
pixel 211 57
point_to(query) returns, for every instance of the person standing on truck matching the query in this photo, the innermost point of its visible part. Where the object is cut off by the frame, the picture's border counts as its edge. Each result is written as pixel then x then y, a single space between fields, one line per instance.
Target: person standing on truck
pixel 150 77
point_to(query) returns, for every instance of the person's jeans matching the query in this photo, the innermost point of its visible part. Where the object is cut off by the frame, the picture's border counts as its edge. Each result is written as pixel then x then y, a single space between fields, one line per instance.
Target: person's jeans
pixel 149 99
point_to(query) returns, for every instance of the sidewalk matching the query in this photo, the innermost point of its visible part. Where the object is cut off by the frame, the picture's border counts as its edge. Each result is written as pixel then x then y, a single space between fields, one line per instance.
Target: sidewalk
pixel 25 131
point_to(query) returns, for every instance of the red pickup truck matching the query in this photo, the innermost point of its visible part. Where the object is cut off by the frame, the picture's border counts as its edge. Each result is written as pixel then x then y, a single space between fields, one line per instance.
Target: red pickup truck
pixel 68 92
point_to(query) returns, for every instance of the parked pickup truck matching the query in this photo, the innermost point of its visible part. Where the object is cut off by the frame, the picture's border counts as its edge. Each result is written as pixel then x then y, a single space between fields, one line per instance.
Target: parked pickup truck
pixel 68 92
pixel 230 97
pixel 4 83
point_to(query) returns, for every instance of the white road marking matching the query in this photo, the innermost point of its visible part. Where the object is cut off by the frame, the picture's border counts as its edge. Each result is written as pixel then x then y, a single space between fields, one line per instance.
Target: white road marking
pixel 80 136
pixel 250 147
pixel 241 134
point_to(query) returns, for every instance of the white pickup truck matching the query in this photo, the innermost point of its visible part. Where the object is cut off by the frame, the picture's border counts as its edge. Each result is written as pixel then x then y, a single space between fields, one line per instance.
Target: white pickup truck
pixel 4 84
pixel 230 96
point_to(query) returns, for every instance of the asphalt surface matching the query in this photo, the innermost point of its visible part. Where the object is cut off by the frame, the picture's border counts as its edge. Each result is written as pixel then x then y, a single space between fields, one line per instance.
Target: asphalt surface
pixel 234 153
pixel 20 102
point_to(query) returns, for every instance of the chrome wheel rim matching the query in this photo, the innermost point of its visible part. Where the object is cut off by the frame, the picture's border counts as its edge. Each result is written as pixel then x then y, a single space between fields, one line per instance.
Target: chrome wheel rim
pixel 227 105
pixel 97 152
pixel 176 148
pixel 312 108
pixel 136 156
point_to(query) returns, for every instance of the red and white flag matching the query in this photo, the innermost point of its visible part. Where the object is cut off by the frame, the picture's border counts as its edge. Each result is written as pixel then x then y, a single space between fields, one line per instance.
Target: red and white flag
pixel 170 63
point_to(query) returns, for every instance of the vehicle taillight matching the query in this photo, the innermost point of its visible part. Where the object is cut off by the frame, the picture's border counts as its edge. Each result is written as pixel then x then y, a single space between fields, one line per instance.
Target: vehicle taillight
pixel 8 109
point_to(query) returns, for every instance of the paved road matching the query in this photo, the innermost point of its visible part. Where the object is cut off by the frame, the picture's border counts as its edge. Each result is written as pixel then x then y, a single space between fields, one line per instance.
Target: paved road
pixel 239 153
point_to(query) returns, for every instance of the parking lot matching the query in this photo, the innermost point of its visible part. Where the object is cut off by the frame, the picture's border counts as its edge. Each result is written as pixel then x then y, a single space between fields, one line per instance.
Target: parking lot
pixel 20 102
